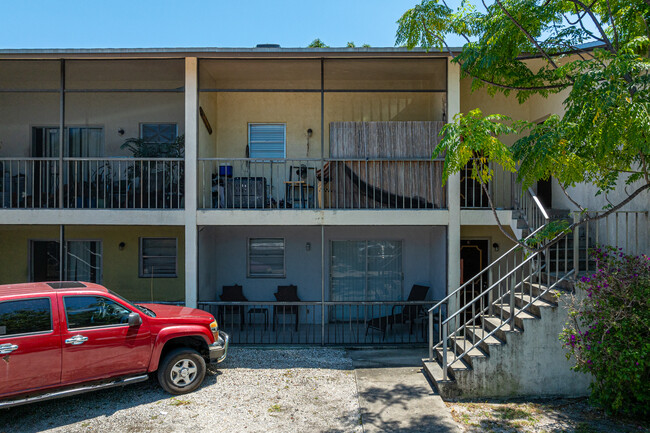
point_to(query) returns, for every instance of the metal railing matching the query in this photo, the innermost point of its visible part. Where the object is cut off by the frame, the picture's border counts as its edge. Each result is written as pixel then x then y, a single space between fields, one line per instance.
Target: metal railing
pixel 92 183
pixel 486 303
pixel 502 189
pixel 628 230
pixel 326 323
pixel 249 183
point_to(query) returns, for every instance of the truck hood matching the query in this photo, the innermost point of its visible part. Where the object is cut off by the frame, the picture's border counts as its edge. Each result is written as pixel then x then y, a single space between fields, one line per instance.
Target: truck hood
pixel 179 314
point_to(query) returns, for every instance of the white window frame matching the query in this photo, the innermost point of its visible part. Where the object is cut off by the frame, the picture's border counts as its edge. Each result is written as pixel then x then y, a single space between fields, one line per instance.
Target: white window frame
pixel 141 258
pixel 249 274
pixel 284 147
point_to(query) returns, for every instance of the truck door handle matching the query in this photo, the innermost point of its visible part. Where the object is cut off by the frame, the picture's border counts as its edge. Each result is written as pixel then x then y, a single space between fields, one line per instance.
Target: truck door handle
pixel 7 348
pixel 76 340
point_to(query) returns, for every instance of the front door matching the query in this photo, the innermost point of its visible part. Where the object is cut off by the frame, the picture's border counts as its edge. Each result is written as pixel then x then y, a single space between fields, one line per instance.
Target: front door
pixel 474 258
pixel 97 341
pixel 30 345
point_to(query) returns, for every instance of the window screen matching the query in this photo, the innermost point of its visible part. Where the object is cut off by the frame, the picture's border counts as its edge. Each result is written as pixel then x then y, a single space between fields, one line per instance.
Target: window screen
pixel 267 140
pixel 266 257
pixel 91 311
pixel 157 257
pixel 158 133
pixel 25 316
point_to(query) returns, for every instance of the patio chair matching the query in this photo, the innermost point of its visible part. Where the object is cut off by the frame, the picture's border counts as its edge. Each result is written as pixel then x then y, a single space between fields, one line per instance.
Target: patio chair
pixel 401 313
pixel 233 293
pixel 286 294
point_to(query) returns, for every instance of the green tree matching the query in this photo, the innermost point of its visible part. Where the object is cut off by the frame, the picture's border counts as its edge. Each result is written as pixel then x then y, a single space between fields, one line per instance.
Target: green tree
pixel 350 45
pixel 597 51
pixel 317 43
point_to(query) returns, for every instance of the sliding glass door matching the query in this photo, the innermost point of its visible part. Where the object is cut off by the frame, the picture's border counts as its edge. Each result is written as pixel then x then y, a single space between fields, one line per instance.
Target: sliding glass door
pixel 365 271
pixel 84 261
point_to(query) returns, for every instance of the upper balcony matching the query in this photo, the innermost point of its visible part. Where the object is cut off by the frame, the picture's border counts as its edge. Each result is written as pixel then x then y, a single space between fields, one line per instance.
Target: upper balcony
pixel 311 133
pixel 122 145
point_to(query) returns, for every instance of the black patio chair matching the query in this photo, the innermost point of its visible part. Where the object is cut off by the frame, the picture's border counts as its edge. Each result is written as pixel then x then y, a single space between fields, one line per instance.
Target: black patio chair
pixel 286 294
pixel 402 313
pixel 233 293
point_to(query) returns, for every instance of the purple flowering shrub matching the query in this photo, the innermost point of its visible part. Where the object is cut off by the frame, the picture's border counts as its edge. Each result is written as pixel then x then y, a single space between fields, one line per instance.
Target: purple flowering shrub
pixel 608 332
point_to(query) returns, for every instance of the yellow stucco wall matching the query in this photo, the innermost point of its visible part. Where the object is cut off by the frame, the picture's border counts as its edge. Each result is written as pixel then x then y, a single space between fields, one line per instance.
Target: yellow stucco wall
pixel 120 268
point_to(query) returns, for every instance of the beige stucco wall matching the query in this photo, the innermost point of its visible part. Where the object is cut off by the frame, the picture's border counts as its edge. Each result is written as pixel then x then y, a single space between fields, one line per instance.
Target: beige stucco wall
pixel 232 113
pixel 120 268
pixel 19 112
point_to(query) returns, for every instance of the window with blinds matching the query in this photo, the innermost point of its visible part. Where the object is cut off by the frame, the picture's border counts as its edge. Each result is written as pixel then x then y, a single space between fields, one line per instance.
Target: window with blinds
pixel 158 257
pixel 266 257
pixel 267 140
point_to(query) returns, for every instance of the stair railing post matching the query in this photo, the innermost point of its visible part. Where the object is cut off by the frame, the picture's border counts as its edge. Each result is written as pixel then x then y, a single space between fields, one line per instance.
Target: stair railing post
pixel 431 335
pixel 576 246
pixel 444 352
pixel 491 292
pixel 513 281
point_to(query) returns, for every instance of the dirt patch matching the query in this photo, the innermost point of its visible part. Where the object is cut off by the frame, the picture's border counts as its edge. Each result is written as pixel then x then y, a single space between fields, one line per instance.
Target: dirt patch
pixel 539 416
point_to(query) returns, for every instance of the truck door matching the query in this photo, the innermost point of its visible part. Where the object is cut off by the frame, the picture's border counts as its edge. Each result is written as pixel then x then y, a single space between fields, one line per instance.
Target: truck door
pixel 30 345
pixel 97 341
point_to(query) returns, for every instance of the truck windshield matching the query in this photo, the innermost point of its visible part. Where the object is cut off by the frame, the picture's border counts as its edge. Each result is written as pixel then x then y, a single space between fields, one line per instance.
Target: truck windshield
pixel 145 310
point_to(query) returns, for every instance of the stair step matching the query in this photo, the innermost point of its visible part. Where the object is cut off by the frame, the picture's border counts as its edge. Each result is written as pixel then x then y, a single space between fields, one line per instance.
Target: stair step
pixel 549 295
pixel 494 322
pixel 540 303
pixel 480 333
pixel 457 365
pixel 434 370
pixel 526 315
pixel 462 345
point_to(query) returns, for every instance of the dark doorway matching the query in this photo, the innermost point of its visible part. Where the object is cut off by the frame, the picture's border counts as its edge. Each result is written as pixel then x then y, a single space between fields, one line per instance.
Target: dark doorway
pixel 545 192
pixel 45 261
pixel 474 258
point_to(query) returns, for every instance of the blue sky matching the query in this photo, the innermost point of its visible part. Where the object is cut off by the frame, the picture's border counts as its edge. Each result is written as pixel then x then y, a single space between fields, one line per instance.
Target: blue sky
pixel 194 23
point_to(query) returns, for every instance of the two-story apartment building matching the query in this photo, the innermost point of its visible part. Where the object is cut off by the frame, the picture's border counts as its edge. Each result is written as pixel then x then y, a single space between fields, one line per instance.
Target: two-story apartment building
pixel 213 176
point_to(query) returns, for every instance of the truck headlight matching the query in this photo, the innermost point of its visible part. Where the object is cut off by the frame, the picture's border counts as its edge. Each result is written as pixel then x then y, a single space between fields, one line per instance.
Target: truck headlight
pixel 214 327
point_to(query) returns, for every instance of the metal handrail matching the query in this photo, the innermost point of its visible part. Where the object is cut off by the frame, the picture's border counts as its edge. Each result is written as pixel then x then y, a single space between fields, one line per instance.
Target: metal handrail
pixel 485 292
pixel 444 325
pixel 497 261
pixel 511 318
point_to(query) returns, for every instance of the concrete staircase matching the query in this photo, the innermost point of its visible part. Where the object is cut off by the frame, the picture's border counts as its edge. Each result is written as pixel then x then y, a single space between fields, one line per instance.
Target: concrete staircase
pixel 524 359
pixel 504 342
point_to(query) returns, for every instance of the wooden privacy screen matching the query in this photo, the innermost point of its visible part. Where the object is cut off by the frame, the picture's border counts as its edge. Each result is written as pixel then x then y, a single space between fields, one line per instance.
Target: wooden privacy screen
pixel 384 165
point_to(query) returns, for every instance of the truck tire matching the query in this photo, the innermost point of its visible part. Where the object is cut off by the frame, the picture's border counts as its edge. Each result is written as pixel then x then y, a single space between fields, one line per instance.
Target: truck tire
pixel 181 371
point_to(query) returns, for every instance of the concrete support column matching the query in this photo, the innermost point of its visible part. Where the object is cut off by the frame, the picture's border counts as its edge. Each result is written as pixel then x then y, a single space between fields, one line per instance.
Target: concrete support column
pixel 453 190
pixel 191 152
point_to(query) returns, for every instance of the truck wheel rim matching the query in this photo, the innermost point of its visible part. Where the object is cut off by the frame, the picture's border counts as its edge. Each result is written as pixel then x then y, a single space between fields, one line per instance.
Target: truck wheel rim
pixel 183 372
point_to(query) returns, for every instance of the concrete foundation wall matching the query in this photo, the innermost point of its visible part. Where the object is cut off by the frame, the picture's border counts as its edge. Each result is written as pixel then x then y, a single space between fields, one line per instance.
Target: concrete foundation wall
pixel 531 363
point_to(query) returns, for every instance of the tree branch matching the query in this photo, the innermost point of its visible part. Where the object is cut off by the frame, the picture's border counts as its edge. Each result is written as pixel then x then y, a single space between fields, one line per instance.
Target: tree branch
pixel 493 83
pixel 566 193
pixel 588 10
pixel 611 22
pixel 527 34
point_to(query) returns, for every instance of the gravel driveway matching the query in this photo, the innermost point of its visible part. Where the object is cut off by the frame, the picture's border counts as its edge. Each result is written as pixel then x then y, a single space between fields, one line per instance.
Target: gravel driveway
pixel 254 390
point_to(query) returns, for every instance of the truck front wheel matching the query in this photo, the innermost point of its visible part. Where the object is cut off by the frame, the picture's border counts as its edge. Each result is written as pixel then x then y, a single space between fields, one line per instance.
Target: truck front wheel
pixel 181 371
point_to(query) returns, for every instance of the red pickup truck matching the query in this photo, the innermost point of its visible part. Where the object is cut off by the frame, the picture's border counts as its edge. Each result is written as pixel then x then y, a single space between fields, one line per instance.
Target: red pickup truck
pixel 64 338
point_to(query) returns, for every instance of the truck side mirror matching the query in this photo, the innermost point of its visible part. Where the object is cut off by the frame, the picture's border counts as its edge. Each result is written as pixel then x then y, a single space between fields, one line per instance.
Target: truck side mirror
pixel 135 319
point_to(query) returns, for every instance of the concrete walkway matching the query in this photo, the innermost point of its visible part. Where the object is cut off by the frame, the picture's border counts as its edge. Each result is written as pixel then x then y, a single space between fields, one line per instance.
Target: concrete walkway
pixel 394 394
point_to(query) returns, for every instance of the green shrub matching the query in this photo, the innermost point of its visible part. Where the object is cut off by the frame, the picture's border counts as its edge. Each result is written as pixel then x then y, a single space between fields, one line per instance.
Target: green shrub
pixel 608 332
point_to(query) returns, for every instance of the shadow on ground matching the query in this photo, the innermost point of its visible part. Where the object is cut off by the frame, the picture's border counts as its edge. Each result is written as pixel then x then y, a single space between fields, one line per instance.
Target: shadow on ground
pixel 36 417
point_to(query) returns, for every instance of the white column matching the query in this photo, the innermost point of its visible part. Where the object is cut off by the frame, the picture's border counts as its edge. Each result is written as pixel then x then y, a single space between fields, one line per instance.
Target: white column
pixel 191 151
pixel 453 189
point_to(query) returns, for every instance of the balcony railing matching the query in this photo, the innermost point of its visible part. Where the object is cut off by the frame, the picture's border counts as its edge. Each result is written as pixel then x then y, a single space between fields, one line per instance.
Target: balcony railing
pixel 245 183
pixel 92 183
